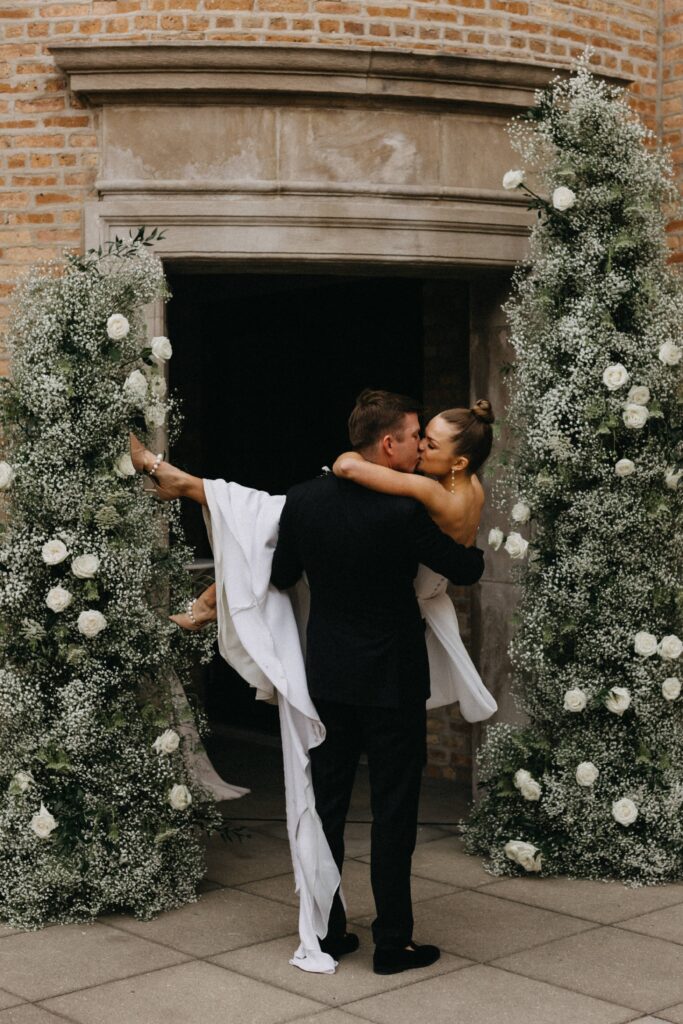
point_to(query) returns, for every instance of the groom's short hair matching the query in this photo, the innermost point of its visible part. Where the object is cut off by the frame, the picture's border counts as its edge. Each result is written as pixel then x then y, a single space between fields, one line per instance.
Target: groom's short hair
pixel 377 413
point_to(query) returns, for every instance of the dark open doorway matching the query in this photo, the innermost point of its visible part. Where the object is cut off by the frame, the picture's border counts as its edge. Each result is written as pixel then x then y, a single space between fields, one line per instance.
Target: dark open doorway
pixel 267 367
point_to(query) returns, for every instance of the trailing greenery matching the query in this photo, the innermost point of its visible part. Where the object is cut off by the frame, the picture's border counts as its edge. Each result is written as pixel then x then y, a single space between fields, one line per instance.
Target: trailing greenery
pixel 592 786
pixel 97 809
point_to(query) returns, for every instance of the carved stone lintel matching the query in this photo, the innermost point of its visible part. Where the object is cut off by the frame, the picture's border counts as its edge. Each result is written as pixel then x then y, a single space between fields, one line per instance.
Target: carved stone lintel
pixel 163 72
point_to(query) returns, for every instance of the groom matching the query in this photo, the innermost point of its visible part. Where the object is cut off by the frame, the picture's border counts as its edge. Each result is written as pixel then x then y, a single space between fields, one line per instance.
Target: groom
pixel 366 659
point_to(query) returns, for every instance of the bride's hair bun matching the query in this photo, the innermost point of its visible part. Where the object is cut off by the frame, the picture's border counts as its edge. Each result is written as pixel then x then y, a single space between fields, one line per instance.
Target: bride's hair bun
pixel 483 411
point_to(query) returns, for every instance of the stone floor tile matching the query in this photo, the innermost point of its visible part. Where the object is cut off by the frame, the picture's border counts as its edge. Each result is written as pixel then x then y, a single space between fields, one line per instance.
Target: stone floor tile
pixel 221 920
pixel 446 861
pixel 483 995
pixel 357 889
pixel 353 978
pixel 671 1013
pixel 664 924
pixel 28 1013
pixel 193 992
pixel 603 902
pixel 608 963
pixel 649 1020
pixel 7 999
pixel 478 926
pixel 328 1017
pixel 246 860
pixel 36 965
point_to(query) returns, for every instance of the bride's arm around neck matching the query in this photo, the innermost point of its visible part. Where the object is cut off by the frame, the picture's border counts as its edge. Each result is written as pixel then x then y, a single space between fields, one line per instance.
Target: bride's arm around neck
pixel 453 514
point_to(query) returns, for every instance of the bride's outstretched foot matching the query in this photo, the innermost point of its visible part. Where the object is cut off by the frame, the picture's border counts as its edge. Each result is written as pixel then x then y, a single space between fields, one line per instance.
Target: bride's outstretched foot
pixel 200 611
pixel 168 481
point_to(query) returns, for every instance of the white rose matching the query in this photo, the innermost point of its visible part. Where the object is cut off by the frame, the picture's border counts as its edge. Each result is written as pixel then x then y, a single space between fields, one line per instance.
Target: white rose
pixel 639 395
pixel 43 823
pixel 179 797
pixel 85 566
pixel 670 354
pixel 123 466
pixel 58 599
pixel 91 622
pixel 521 512
pixel 624 811
pixel 135 386
pixel 645 644
pixel 586 773
pixel 635 416
pixel 513 179
pixel 672 478
pixel 155 416
pixel 615 377
pixel 54 552
pixel 6 476
pixel 670 647
pixel 157 385
pixel 522 776
pixel 531 790
pixel 618 700
pixel 671 688
pixel 525 854
pixel 161 348
pixel 516 546
pixel 22 781
pixel 575 700
pixel 117 326
pixel 495 538
pixel 624 467
pixel 563 198
pixel 167 742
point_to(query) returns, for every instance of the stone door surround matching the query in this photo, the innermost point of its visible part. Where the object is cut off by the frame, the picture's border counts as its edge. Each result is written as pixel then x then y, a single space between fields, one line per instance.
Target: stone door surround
pixel 306 154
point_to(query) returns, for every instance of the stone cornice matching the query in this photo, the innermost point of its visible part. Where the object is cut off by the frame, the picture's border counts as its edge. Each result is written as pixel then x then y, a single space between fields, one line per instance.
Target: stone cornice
pixel 201 73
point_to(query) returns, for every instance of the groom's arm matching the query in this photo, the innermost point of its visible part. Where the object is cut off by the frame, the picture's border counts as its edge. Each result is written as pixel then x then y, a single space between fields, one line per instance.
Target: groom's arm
pixel 461 565
pixel 287 568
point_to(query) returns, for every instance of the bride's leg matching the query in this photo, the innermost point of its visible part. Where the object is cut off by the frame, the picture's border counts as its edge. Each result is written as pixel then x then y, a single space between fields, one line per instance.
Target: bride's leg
pixel 203 611
pixel 171 482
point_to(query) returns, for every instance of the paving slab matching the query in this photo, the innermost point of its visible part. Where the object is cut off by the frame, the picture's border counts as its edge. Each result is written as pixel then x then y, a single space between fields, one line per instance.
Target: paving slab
pixel 246 860
pixel 603 902
pixel 220 920
pixel 8 999
pixel 353 978
pixel 480 927
pixel 328 1017
pixel 28 1013
pixel 193 992
pixel 671 1013
pixel 357 889
pixel 446 861
pixel 622 967
pixel 484 995
pixel 664 924
pixel 36 965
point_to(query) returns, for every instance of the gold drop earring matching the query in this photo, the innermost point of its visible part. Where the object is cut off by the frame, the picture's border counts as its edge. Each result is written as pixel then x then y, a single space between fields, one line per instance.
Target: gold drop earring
pixel 452 479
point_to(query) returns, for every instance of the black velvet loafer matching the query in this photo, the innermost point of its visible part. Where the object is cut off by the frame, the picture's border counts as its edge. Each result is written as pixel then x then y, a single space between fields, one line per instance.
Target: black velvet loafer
pixel 340 945
pixel 393 961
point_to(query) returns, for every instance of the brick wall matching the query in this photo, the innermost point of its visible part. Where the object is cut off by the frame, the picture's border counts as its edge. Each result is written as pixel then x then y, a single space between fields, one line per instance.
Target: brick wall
pixel 48 141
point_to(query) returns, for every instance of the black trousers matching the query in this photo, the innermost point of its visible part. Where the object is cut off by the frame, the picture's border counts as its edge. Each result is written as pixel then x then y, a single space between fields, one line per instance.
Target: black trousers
pixel 395 742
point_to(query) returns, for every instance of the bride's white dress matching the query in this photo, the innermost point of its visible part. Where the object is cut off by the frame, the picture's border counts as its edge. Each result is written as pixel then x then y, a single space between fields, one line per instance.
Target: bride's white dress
pixel 452 674
pixel 261 633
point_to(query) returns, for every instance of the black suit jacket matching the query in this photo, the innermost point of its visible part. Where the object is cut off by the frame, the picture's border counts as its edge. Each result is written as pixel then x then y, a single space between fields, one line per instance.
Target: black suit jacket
pixel 360 551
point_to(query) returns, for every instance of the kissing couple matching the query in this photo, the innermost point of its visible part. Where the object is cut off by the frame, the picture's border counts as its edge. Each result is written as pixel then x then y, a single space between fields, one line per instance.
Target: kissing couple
pixel 335 600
